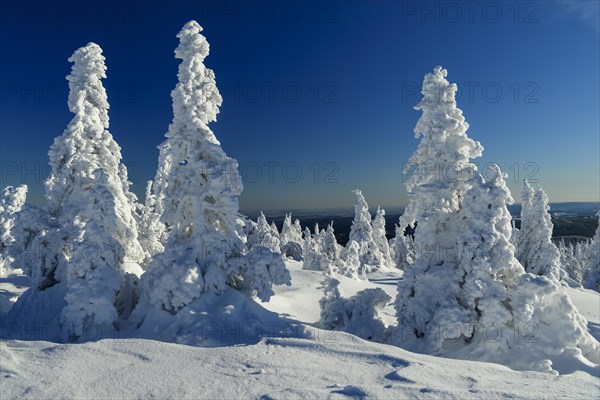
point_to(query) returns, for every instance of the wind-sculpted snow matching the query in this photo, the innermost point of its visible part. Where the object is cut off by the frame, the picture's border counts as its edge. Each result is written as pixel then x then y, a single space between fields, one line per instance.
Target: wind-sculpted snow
pixel 338 366
pixel 359 314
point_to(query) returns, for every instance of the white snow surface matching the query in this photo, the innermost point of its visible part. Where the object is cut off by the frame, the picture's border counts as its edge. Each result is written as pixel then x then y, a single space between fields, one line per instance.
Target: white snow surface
pixel 320 365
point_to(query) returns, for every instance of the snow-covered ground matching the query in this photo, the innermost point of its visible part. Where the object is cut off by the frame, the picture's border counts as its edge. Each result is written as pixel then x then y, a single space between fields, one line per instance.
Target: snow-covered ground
pixel 324 365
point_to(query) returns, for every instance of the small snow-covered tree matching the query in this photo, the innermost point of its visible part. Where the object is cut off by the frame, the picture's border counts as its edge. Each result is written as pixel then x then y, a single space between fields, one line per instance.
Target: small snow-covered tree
pixel 34 242
pixel 264 235
pixel 317 232
pixel 572 259
pixel 348 263
pixel 329 245
pixel 591 277
pixel 287 231
pixel 197 197
pixel 523 237
pixel 274 230
pixel 539 255
pixel 361 229
pixel 361 232
pixel 290 238
pixel 401 249
pixel 297 230
pixel 379 237
pixel 248 228
pixel 150 227
pixel 314 259
pixel 359 315
pixel 11 201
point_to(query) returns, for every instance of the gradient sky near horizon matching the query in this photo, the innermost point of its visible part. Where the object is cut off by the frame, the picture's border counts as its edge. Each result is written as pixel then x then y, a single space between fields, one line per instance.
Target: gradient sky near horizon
pixel 318 96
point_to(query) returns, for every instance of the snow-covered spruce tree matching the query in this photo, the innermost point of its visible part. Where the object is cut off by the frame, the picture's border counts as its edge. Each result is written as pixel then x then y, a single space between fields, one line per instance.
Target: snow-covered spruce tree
pixel 287 231
pixel 264 235
pixel 329 245
pixel 150 228
pixel 439 173
pixel 297 230
pixel 361 232
pixel 84 270
pixel 274 230
pixel 248 228
pixel 452 294
pixel 581 252
pixel 359 315
pixel 539 255
pixel 11 201
pixel 401 249
pixel 495 291
pixel 572 259
pixel 33 243
pixel 290 232
pixel 197 191
pixel 314 259
pixel 348 263
pixel 566 255
pixel 379 237
pixel 525 234
pixel 591 276
pixel 361 229
pixel 290 239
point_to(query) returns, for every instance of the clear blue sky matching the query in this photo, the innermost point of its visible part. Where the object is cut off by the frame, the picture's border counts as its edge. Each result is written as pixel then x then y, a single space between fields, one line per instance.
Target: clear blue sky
pixel 325 87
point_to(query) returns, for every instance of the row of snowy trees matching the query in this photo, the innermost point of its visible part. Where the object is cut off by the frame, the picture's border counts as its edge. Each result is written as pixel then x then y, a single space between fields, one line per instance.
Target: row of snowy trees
pixel 572 264
pixel 463 275
pixel 94 254
pixel 367 249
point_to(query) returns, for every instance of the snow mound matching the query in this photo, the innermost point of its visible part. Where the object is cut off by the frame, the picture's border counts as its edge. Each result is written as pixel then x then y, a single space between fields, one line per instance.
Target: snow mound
pixel 225 319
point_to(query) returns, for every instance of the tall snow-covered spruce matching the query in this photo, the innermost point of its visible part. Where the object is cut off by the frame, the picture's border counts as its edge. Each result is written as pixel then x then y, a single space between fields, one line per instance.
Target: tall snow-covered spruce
pixel 465 277
pixel 196 199
pixel 439 176
pixel 83 268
